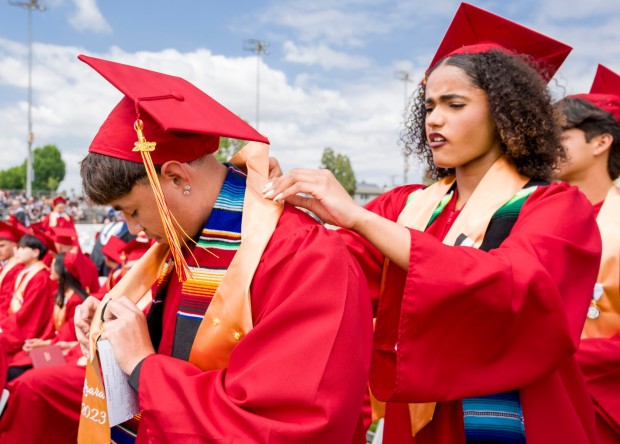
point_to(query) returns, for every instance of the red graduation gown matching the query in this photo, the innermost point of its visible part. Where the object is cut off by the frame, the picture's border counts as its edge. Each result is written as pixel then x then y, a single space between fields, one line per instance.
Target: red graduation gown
pixel 298 376
pixel 34 319
pixel 599 360
pixel 467 322
pixel 3 366
pixel 44 406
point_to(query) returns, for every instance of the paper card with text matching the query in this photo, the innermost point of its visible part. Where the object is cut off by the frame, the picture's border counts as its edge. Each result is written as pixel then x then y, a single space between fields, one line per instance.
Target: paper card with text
pixel 122 399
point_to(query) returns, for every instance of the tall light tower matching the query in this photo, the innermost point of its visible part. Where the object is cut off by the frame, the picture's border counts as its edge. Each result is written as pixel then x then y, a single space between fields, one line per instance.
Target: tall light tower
pixel 406 78
pixel 30 5
pixel 259 48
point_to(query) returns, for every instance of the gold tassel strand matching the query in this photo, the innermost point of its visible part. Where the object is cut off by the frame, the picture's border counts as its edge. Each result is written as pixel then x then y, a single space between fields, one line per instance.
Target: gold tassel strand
pixel 145 148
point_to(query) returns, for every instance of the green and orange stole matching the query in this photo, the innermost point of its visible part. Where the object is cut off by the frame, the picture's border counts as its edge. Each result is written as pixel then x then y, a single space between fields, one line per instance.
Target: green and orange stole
pixel 501 185
pixel 228 317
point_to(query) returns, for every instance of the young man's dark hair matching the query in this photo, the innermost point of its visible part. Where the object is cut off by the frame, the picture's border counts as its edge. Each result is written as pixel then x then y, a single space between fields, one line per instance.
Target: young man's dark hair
pixel 33 242
pixel 593 121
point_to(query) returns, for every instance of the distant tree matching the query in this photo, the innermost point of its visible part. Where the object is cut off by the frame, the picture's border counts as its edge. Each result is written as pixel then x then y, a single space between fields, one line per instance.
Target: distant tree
pixel 49 171
pixel 340 166
pixel 13 178
pixel 228 148
pixel 49 168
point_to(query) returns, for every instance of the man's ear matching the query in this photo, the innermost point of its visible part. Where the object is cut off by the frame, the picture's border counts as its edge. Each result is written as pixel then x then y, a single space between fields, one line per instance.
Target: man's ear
pixel 175 173
pixel 603 143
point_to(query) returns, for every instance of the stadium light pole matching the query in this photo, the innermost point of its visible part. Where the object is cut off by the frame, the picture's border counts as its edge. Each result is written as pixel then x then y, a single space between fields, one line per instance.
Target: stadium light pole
pixel 30 5
pixel 259 48
pixel 406 78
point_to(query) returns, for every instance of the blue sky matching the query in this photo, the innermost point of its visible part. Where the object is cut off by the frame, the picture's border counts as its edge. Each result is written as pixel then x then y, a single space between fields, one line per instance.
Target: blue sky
pixel 328 79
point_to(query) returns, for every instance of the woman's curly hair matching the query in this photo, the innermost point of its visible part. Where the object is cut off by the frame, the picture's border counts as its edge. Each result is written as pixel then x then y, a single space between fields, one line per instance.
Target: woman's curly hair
pixel 520 105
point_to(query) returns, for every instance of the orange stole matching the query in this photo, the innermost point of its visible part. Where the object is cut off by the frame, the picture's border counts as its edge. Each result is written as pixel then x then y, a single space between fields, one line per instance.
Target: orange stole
pixel 60 313
pixel 500 183
pixel 228 318
pixel 23 278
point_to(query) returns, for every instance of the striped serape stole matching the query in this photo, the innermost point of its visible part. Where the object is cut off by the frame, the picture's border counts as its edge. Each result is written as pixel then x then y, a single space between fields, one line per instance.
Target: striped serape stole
pixel 125 433
pixel 494 419
pixel 221 235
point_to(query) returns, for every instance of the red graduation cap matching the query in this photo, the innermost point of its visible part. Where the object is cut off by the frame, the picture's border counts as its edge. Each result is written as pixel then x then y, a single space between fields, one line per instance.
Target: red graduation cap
pixel 183 121
pixel 76 263
pixel 59 199
pixel 474 30
pixel 135 249
pixel 113 247
pixel 162 118
pixel 11 232
pixel 64 236
pixel 605 91
pixel 43 237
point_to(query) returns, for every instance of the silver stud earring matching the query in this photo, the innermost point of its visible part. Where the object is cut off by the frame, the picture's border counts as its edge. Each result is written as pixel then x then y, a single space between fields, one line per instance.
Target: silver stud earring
pixel 186 190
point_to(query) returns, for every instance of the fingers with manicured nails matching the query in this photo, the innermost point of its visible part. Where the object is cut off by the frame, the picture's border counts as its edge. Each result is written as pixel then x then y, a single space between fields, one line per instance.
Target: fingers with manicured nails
pixel 296 181
pixel 330 201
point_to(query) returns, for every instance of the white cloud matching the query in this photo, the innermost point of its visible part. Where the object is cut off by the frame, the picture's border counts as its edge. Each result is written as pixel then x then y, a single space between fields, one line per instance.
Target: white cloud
pixel 323 56
pixel 361 117
pixel 350 23
pixel 87 17
pixel 557 10
pixel 71 101
pixel 312 22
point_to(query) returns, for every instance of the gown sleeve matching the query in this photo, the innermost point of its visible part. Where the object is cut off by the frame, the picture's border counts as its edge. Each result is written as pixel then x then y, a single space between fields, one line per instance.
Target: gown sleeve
pixel 388 205
pixel 463 322
pixel 298 376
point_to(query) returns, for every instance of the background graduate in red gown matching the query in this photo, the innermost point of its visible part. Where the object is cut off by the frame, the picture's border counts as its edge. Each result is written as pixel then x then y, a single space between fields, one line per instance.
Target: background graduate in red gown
pixel 10 234
pixel 486 323
pixel 58 218
pixel 591 138
pixel 32 302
